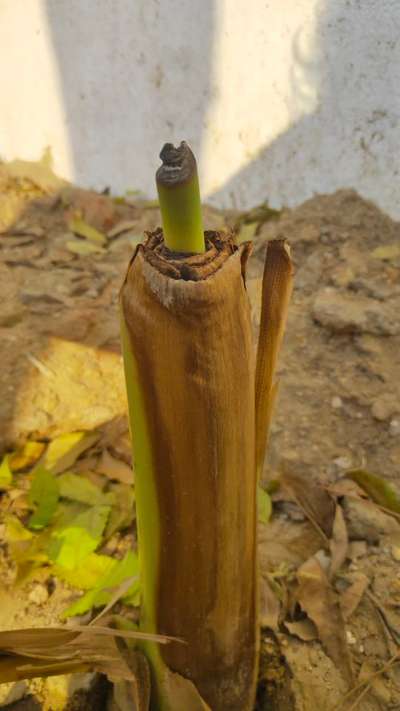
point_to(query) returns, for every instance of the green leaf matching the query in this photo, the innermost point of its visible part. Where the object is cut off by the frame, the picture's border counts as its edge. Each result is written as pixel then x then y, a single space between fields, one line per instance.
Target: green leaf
pixel 64 450
pixel 5 473
pixel 43 495
pixel 78 488
pixel 377 489
pixel 98 597
pixel 87 575
pixel 73 540
pixel 264 505
pixel 83 229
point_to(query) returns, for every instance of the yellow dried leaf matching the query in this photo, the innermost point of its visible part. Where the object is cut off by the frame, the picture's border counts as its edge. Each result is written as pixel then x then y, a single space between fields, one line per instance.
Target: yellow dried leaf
pixel 82 228
pixel 121 227
pixel 64 450
pixel 26 457
pixel 388 251
pixel 5 473
pixel 15 530
pixel 83 248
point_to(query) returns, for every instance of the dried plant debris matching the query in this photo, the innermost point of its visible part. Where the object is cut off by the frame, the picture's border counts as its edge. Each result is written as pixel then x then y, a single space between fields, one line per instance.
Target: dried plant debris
pixel 321 604
pixel 28 653
pixel 313 499
pixel 339 542
pixel 352 596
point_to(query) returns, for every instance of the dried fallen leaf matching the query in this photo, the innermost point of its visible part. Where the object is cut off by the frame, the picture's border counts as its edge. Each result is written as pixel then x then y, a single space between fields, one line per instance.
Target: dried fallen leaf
pixel 338 543
pixel 270 606
pixel 316 503
pixel 121 227
pixel 64 450
pixel 284 542
pixel 5 473
pixel 15 531
pixel 303 629
pixel 115 468
pixel 84 249
pixel 82 228
pixel 26 457
pixel 320 602
pixel 79 488
pixel 352 596
pixel 181 693
pixel 387 251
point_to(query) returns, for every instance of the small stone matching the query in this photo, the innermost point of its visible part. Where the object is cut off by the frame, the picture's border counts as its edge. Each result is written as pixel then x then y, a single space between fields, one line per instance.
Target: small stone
pixel 361 648
pixel 342 463
pixel 342 275
pixel 384 407
pixel 325 238
pixel 337 402
pixel 38 595
pixel 356 314
pixel 357 549
pixel 307 233
pixel 367 522
pixel 10 694
pixel 350 637
pixel 394 428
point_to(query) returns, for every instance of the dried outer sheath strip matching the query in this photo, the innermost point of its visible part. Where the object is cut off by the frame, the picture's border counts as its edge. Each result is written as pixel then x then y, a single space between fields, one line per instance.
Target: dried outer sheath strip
pixel 276 291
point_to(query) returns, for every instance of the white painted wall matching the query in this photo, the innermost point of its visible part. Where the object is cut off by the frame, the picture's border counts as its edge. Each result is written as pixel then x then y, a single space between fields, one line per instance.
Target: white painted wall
pixel 279 99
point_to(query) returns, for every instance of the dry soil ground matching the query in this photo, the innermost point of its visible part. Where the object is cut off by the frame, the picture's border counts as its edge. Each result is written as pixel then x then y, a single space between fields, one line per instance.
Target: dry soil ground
pixel 329 555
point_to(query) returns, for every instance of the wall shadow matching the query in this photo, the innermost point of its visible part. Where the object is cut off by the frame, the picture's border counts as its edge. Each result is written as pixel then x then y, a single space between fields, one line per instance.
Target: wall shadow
pixel 114 57
pixel 345 109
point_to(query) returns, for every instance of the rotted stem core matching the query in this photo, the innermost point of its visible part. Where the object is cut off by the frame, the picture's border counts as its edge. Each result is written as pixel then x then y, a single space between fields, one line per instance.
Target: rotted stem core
pixel 179 195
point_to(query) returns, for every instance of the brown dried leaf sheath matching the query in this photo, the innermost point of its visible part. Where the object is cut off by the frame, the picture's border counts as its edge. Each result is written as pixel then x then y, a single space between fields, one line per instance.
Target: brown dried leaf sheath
pixel 189 332
pixel 276 291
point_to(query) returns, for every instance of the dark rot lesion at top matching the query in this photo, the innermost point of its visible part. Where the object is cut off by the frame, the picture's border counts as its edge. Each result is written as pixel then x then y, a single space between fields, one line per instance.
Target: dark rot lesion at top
pixel 178 165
